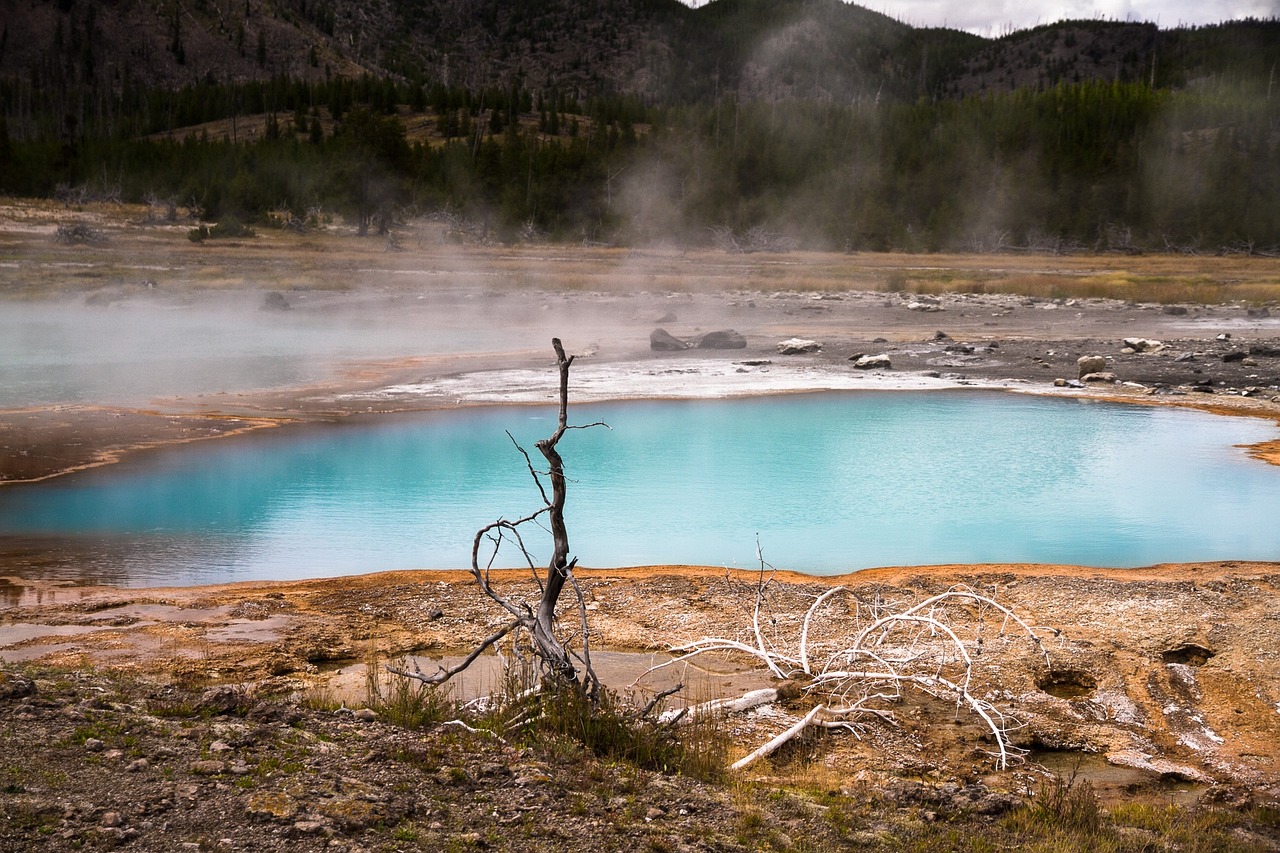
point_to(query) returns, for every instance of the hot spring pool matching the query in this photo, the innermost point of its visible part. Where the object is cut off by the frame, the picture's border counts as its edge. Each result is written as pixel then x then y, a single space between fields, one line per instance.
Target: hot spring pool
pixel 827 483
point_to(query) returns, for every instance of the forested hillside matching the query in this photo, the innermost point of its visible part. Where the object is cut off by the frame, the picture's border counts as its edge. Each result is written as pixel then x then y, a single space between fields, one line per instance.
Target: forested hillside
pixel 813 122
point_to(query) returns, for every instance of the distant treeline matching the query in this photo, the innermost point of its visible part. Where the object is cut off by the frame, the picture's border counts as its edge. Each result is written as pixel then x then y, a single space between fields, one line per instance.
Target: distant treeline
pixel 1113 166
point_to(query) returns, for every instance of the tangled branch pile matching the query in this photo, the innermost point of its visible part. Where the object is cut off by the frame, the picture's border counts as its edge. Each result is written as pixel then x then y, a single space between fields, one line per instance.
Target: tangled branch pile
pixel 853 659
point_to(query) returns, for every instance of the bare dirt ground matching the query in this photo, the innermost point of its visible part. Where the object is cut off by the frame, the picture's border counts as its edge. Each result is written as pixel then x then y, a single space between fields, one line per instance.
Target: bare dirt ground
pixel 1163 679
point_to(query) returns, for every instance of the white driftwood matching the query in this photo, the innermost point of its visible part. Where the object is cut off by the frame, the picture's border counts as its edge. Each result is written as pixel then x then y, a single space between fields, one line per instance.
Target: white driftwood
pixel 919 647
pixel 778 741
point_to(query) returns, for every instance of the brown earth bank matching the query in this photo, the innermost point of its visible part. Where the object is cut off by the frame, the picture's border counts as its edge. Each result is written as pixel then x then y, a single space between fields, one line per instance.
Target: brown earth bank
pixel 1159 690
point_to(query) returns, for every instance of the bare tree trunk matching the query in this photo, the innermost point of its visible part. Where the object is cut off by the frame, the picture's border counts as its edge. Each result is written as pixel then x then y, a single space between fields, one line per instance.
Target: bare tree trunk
pixel 560 566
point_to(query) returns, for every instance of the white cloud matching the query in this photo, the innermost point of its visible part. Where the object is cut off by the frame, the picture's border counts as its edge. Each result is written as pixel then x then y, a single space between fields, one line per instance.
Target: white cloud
pixel 1001 16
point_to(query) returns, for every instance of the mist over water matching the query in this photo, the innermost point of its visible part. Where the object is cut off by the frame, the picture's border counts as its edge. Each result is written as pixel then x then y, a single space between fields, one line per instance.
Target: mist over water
pixel 828 482
pixel 134 351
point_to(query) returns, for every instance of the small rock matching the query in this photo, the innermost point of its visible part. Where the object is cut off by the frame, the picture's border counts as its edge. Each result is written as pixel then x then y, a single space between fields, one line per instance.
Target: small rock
pixel 873 362
pixel 920 305
pixel 940 336
pixel 1090 364
pixel 275 301
pixel 654 813
pixel 798 346
pixel 208 768
pixel 1143 345
pixel 137 766
pixel 1235 355
pixel 220 746
pixel 93 745
pixel 660 340
pixel 1225 336
pixel 1186 356
pixel 1249 361
pixel 112 819
pixel 14 686
pixel 1103 376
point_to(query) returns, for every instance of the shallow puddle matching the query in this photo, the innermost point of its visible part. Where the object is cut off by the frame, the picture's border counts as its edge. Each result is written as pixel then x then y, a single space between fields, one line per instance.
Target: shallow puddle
pixel 1114 781
pixel 627 673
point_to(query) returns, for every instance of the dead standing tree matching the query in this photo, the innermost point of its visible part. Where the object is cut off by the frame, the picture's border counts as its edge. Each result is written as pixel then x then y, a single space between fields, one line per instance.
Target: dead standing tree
pixel 559 661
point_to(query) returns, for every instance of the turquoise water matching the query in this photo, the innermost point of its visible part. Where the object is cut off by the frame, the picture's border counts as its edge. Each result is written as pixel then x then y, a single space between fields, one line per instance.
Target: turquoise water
pixel 827 482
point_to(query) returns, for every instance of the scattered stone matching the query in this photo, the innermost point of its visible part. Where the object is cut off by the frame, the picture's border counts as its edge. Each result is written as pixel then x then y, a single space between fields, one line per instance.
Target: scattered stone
pixel 14 686
pixel 1090 364
pixel 1102 376
pixel 660 340
pixel 873 362
pixel 798 346
pixel 722 339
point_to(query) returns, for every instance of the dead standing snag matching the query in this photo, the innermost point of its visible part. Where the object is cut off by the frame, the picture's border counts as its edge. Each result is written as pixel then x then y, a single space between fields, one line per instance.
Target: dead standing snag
pixel 559 661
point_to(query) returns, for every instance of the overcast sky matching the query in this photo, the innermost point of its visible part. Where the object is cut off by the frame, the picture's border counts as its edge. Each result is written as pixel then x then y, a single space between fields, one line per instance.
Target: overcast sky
pixel 999 16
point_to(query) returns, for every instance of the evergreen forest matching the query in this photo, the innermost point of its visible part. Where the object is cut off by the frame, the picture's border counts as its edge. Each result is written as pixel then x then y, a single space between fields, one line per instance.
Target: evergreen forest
pixel 1179 156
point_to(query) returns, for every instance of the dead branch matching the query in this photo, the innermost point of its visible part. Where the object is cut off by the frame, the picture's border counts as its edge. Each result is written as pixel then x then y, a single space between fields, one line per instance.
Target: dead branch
pixel 564 661
pixel 857 673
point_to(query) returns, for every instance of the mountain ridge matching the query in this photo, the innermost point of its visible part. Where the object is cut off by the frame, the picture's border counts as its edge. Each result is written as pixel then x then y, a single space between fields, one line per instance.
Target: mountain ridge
pixel 656 50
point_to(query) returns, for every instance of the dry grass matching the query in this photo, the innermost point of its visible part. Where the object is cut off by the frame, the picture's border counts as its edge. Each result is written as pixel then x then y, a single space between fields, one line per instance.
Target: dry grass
pixel 335 259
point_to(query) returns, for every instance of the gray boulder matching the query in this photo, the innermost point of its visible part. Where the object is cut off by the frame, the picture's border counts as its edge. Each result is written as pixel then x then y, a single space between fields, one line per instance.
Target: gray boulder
pixel 660 340
pixel 722 339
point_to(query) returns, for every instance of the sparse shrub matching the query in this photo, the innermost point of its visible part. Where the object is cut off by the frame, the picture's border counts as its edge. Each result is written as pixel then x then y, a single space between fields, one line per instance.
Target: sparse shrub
pixel 228 228
pixel 405 702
